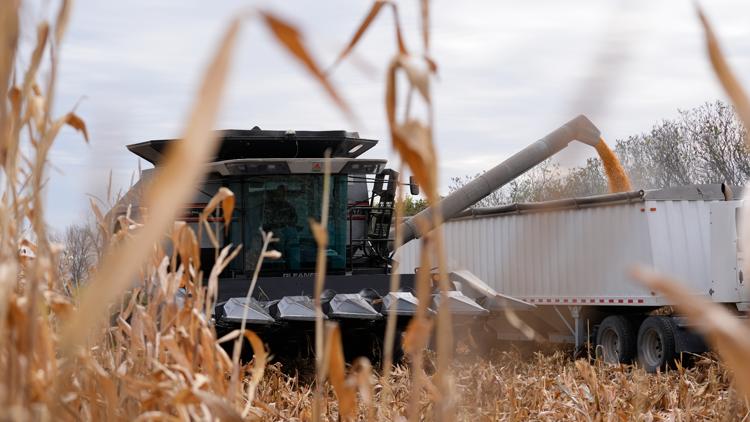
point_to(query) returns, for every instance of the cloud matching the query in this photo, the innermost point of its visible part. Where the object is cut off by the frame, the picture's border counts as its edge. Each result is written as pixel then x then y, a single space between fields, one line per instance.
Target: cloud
pixel 508 74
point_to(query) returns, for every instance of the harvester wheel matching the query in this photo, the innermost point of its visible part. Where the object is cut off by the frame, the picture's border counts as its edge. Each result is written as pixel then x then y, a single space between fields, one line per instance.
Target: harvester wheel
pixel 616 340
pixel 656 343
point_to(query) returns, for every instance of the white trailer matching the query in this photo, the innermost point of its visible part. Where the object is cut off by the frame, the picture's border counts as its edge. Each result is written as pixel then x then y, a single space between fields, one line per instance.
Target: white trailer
pixel 570 258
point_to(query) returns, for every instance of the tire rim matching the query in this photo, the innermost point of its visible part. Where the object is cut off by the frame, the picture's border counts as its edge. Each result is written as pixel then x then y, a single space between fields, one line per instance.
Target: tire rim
pixel 610 343
pixel 652 348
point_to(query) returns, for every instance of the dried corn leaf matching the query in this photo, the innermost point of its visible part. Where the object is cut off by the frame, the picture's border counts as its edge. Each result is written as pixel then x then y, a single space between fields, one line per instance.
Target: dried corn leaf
pixel 223 259
pixel 423 285
pixel 63 17
pixel 363 376
pixel 371 15
pixel 59 304
pixel 51 134
pixel 417 335
pixel 272 254
pixel 431 64
pixel 730 83
pixel 211 235
pixel 8 45
pixel 319 233
pixel 9 30
pixel 292 40
pixel 226 198
pixel 376 7
pixel 418 78
pixel 14 95
pixel 97 213
pixel 260 357
pixel 220 408
pixel 35 112
pixel 425 14
pixel 227 207
pixel 107 388
pixel 346 394
pixel 222 194
pixel 189 248
pixel 42 33
pixel 727 334
pixel 74 121
pixel 232 335
pixel 412 139
pixel 177 227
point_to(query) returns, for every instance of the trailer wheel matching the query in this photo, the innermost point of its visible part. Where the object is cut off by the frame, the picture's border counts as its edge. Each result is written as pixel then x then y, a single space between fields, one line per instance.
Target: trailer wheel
pixel 615 340
pixel 656 343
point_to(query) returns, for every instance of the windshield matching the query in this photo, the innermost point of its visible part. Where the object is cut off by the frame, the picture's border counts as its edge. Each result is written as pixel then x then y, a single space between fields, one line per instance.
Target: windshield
pixel 283 204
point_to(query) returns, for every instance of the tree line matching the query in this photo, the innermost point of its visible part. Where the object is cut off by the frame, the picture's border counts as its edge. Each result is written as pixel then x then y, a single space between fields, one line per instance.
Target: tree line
pixel 702 145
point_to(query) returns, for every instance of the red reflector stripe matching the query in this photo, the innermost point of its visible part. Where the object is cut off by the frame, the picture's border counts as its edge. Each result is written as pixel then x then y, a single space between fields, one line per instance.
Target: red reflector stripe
pixel 582 300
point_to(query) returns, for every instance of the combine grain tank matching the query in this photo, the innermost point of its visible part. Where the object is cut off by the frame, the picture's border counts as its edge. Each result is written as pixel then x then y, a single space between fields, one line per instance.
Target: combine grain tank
pixel 570 258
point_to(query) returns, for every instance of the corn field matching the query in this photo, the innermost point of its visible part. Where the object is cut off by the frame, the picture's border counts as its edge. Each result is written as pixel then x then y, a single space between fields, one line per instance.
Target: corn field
pixel 122 347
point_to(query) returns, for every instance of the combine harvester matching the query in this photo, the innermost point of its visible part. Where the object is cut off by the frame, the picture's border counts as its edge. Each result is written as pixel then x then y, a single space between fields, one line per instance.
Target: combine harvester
pixel 277 180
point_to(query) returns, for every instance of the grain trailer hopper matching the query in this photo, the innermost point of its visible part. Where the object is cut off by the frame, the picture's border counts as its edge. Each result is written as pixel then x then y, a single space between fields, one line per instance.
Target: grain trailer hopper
pixel 570 258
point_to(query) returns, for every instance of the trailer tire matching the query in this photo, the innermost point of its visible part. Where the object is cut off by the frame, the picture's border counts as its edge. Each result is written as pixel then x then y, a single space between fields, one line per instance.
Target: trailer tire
pixel 615 340
pixel 657 343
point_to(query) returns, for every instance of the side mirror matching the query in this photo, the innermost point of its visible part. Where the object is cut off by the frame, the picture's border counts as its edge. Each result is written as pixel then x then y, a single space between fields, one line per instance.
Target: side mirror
pixel 413 186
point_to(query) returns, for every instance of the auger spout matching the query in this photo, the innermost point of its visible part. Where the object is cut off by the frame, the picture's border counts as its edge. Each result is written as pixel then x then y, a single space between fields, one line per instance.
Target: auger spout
pixel 579 129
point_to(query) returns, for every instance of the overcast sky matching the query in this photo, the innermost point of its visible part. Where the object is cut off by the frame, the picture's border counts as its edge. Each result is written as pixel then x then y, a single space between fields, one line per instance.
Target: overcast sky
pixel 509 72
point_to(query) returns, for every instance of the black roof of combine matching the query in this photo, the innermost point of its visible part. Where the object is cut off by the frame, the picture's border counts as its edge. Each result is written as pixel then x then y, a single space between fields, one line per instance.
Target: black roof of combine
pixel 258 143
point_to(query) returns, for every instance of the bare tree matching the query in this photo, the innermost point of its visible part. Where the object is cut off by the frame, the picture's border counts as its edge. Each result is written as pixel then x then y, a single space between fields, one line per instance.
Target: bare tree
pixel 80 253
pixel 717 137
pixel 659 158
pixel 704 145
pixel 494 199
pixel 544 182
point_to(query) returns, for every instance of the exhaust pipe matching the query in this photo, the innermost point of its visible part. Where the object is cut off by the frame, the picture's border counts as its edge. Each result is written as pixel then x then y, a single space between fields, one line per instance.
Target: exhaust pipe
pixel 580 129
